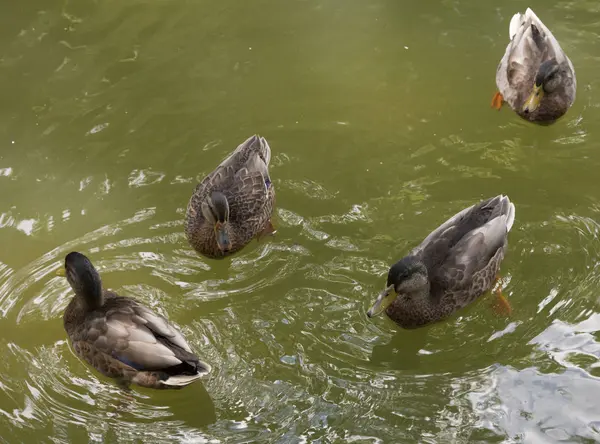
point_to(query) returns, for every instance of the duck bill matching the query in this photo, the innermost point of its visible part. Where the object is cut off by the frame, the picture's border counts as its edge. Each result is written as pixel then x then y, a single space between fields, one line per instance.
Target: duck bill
pixel 61 272
pixel 385 298
pixel 533 101
pixel 223 241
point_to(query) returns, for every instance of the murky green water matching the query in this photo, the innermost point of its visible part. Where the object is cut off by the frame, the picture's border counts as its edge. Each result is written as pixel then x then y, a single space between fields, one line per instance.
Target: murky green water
pixel 378 116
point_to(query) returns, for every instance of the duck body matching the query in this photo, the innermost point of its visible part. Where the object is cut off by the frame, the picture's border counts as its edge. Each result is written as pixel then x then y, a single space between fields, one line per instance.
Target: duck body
pixel 234 203
pixel 123 339
pixel 535 76
pixel 452 267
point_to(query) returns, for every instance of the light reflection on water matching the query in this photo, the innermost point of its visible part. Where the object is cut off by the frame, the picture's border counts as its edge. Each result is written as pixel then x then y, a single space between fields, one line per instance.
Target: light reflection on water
pixel 337 372
pixel 115 111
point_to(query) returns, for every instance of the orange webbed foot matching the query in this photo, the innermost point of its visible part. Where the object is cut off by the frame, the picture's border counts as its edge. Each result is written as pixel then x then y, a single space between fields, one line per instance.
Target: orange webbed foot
pixel 269 230
pixel 497 100
pixel 501 305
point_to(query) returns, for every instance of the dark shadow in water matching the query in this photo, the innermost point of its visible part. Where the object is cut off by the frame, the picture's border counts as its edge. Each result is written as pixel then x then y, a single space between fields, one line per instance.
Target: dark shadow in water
pixel 402 352
pixel 194 410
pixel 197 408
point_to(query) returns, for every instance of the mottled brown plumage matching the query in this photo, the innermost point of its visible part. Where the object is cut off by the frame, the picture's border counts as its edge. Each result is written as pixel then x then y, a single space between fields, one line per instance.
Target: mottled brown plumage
pixel 534 57
pixel 234 203
pixel 121 338
pixel 451 268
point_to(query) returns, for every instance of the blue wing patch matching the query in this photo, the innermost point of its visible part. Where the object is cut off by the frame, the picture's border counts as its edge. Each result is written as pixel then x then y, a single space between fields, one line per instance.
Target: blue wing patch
pixel 127 362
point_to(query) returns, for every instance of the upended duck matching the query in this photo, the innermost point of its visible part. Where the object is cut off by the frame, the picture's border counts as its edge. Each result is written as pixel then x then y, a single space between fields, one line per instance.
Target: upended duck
pixel 453 266
pixel 234 203
pixel 121 338
pixel 535 76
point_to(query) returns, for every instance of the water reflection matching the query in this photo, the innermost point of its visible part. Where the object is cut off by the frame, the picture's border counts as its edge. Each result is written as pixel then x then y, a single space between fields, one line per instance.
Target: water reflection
pixel 294 355
pixel 534 407
pixel 115 110
pixel 54 387
pixel 53 394
pixel 402 352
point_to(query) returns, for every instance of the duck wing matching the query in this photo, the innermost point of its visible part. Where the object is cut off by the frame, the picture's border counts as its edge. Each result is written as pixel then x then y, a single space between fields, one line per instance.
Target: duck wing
pixel 250 158
pixel 248 195
pixel 437 246
pixel 140 338
pixel 253 153
pixel 475 241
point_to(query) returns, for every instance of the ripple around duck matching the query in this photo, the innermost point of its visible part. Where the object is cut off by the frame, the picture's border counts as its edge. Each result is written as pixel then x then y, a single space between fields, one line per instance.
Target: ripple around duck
pixel 555 400
pixel 61 394
pixel 294 357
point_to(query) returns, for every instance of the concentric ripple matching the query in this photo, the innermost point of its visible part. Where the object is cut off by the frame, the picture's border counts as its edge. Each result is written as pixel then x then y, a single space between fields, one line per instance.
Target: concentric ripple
pixel 378 116
pixel 294 356
pixel 56 391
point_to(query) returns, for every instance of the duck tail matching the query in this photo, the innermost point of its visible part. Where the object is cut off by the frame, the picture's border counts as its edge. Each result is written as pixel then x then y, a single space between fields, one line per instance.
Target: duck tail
pixel 265 150
pixel 181 380
pixel 509 211
pixel 515 23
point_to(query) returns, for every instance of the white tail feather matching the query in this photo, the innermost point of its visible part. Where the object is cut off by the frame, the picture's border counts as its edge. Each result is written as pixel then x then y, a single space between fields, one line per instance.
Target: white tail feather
pixel 510 212
pixel 515 23
pixel 266 150
pixel 181 380
pixel 510 216
pixel 529 13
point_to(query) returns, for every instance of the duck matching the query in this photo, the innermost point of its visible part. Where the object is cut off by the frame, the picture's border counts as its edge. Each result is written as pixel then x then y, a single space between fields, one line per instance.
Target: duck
pixel 450 268
pixel 234 203
pixel 123 339
pixel 535 76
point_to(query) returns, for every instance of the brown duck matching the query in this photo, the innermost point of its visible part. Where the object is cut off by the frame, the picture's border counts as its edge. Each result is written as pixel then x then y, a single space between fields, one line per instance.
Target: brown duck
pixel 535 76
pixel 452 267
pixel 121 338
pixel 234 203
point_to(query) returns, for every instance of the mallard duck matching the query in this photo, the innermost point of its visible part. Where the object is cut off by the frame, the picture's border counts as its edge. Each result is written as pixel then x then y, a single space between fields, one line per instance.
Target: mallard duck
pixel 234 203
pixel 121 338
pixel 452 267
pixel 535 76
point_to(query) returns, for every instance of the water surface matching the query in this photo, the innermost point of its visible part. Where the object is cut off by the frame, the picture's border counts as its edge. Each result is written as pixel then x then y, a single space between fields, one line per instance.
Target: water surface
pixel 378 116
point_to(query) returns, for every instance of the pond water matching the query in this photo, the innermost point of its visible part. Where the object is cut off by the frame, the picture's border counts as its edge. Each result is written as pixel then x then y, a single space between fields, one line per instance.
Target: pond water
pixel 378 114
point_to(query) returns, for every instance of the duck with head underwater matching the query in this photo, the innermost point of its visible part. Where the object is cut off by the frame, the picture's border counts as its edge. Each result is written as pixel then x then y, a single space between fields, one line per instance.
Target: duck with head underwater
pixel 452 267
pixel 535 76
pixel 234 203
pixel 121 338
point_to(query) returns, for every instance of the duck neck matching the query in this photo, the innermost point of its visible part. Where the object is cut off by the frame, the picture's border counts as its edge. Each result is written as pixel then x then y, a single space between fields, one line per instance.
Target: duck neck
pixel 89 293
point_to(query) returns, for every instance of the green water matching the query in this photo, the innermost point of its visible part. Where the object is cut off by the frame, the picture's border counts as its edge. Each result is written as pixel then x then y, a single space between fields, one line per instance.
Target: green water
pixel 378 116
